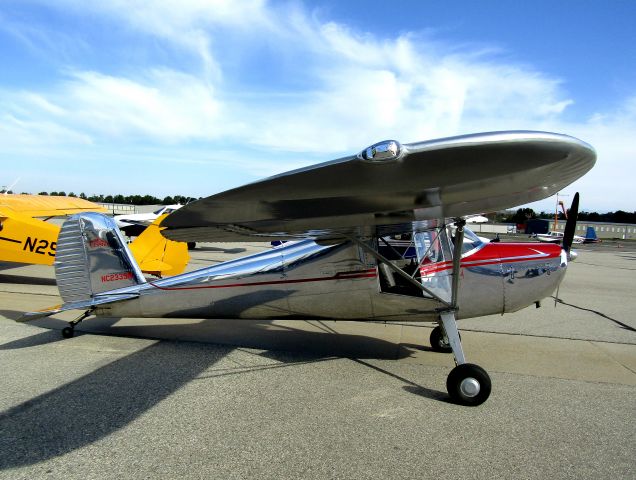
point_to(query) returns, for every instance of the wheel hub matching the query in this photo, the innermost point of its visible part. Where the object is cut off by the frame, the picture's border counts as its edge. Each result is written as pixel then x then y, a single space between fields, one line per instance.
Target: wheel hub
pixel 469 387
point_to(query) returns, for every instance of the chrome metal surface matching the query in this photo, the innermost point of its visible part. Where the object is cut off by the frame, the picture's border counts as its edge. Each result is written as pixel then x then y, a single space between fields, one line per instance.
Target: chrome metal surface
pixel 299 279
pixel 449 177
pixel 92 257
pixel 457 258
pixel 448 323
pixel 385 151
pixel 305 279
pixel 470 387
pixel 71 265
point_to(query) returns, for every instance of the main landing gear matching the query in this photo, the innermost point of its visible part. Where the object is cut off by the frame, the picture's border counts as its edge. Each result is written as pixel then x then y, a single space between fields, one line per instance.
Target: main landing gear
pixel 467 384
pixel 69 332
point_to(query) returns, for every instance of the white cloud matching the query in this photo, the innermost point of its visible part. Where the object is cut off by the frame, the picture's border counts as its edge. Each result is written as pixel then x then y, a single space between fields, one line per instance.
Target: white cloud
pixel 167 105
pixel 346 89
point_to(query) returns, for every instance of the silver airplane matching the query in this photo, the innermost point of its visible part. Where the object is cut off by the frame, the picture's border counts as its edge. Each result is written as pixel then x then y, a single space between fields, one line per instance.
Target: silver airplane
pixel 373 236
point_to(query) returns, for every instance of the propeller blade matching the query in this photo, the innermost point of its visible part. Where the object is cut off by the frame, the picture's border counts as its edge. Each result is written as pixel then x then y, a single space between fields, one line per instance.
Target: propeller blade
pixel 570 225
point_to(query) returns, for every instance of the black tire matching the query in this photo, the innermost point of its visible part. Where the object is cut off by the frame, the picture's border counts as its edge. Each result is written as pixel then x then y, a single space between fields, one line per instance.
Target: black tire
pixel 476 376
pixel 437 341
pixel 191 245
pixel 68 332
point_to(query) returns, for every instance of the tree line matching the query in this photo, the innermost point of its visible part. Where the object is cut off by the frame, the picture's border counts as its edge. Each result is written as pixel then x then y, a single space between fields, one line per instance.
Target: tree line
pixel 125 199
pixel 522 215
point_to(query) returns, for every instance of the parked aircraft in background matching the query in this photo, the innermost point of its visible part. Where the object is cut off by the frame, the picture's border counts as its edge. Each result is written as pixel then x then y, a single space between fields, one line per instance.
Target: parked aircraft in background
pixel 135 223
pixel 557 237
pixel 590 236
pixel 27 239
pixel 342 215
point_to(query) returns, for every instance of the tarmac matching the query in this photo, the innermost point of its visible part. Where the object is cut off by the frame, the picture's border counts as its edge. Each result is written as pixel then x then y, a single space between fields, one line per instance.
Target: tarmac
pixel 163 398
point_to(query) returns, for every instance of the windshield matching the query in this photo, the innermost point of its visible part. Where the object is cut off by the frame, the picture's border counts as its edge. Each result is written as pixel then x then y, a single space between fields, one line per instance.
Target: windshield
pixel 471 241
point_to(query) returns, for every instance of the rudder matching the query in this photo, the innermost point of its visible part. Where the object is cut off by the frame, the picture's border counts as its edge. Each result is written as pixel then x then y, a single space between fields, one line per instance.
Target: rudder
pixel 92 257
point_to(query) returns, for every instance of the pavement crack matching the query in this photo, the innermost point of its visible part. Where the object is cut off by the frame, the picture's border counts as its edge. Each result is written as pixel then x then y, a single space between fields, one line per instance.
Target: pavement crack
pixel 609 354
pixel 601 314
pixel 605 266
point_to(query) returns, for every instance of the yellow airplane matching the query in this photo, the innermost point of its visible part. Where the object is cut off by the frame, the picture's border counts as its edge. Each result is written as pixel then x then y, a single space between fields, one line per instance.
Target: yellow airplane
pixel 25 239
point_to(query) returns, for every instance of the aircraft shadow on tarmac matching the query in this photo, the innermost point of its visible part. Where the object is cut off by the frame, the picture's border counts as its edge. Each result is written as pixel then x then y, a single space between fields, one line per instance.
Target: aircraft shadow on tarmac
pixel 95 405
pixel 26 280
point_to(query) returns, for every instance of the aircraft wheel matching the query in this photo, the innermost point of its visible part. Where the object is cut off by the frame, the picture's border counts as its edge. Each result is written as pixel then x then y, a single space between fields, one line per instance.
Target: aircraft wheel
pixel 191 245
pixel 68 332
pixel 468 384
pixel 437 341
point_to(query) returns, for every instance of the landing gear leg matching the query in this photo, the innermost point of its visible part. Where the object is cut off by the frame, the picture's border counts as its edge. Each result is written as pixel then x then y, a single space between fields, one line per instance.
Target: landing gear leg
pixel 69 332
pixel 467 384
pixel 439 340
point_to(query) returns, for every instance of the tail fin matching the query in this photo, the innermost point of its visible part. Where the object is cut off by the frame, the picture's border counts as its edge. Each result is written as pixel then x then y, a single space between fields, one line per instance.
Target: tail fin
pixel 92 257
pixel 93 265
pixel 590 234
pixel 156 254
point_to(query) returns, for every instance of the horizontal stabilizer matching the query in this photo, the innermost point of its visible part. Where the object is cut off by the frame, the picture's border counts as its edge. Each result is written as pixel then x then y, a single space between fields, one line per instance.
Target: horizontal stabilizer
pixel 80 305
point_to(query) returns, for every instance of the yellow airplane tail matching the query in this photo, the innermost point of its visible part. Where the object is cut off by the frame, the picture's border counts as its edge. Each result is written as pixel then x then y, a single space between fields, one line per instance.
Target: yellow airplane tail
pixel 157 255
pixel 24 239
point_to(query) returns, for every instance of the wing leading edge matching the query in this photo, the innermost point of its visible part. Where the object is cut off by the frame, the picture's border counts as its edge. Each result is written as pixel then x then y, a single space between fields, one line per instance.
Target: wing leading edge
pixel 389 184
pixel 47 206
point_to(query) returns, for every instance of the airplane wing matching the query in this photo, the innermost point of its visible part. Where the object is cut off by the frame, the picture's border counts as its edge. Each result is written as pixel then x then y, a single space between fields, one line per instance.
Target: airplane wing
pixel 47 206
pixel 388 184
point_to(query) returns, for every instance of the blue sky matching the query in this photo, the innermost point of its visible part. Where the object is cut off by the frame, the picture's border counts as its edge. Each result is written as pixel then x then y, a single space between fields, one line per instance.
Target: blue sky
pixel 193 97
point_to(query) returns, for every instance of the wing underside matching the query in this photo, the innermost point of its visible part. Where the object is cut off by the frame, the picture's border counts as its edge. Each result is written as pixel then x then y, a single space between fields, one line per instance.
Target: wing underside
pixel 401 184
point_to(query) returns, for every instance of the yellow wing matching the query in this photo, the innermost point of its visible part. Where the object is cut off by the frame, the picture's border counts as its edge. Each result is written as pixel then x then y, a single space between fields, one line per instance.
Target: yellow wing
pixel 47 206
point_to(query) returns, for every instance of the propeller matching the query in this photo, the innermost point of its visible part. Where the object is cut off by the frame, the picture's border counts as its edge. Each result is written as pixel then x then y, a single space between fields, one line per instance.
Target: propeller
pixel 570 225
pixel 568 235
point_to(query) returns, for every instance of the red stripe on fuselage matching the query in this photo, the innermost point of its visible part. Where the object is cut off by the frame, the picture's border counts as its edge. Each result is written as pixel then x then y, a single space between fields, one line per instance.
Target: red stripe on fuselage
pixel 494 253
pixel 371 273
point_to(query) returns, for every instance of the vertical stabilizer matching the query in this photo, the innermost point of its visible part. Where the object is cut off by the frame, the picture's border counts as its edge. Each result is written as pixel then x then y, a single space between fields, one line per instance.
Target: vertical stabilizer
pixel 92 257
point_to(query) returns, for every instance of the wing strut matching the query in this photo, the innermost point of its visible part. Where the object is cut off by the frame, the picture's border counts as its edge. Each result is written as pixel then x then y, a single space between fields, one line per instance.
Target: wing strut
pixel 457 258
pixel 396 269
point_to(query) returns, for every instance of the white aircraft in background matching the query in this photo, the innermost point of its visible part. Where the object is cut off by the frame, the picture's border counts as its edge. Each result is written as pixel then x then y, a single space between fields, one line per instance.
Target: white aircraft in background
pixel 135 223
pixel 556 237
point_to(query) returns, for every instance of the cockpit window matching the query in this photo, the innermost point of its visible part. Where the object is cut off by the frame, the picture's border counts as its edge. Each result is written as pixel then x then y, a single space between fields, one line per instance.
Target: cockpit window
pixel 160 211
pixel 471 241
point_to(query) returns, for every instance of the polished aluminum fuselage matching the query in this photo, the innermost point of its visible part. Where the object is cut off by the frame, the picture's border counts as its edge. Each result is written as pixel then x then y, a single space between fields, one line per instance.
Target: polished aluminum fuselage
pixel 307 280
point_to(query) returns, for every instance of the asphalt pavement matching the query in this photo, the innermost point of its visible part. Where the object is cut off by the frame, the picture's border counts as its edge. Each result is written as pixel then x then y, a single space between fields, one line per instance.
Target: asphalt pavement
pixel 164 398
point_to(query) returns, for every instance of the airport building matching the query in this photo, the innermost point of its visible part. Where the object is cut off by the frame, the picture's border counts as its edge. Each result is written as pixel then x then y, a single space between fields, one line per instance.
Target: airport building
pixel 608 230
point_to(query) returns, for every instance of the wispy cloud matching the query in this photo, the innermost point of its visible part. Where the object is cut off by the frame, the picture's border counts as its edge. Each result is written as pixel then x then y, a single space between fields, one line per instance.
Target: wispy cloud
pixel 274 78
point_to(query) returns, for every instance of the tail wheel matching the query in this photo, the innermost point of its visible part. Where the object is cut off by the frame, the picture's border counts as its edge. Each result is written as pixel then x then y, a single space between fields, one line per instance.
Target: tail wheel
pixel 468 384
pixel 68 332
